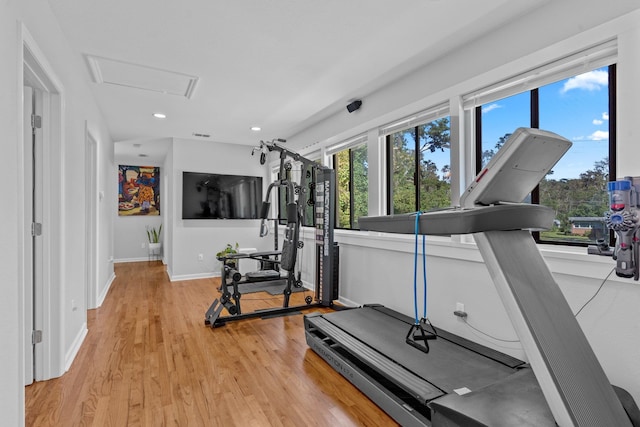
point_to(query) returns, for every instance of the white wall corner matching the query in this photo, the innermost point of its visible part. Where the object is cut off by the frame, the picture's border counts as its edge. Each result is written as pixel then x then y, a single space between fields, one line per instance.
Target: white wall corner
pixel 105 290
pixel 75 347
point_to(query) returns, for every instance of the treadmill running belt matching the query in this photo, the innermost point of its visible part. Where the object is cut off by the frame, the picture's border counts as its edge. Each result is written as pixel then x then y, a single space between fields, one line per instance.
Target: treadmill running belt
pixel 448 366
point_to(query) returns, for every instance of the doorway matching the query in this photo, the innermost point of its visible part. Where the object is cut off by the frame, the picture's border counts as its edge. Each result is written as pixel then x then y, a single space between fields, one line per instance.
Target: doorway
pixel 33 231
pixel 41 237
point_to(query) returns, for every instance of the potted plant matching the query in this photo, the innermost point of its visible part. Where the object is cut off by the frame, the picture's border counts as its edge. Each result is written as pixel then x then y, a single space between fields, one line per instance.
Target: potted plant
pixel 153 235
pixel 228 250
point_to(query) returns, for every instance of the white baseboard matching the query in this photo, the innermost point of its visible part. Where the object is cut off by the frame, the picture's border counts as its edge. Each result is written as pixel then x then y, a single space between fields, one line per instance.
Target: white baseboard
pixel 105 290
pixel 347 302
pixel 75 347
pixel 131 259
pixel 180 277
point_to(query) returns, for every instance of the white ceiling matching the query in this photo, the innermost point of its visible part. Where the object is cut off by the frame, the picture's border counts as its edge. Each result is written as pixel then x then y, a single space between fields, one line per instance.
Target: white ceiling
pixel 282 65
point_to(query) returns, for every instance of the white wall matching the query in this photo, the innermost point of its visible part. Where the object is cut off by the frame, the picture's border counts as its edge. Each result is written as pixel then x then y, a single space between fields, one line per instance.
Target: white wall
pixel 193 237
pixel 107 194
pixel 378 268
pixel 68 322
pixel 131 243
pixel 11 392
pixel 107 207
pixel 170 207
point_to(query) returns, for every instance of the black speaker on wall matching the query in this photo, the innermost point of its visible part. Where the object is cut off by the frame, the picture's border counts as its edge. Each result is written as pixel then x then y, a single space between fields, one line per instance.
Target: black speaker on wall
pixel 354 105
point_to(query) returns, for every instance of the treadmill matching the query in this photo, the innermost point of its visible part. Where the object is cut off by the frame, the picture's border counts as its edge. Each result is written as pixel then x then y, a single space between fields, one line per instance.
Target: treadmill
pixel 459 382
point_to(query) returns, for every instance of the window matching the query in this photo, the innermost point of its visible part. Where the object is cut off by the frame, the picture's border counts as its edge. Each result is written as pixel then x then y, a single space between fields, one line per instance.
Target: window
pixel 578 108
pixel 352 186
pixel 418 161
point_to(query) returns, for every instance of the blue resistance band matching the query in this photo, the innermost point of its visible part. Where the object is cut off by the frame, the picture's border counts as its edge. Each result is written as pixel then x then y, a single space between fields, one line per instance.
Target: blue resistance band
pixel 415 271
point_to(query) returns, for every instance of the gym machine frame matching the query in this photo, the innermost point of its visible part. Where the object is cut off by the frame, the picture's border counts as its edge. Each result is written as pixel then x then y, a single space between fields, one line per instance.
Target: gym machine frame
pixel 322 197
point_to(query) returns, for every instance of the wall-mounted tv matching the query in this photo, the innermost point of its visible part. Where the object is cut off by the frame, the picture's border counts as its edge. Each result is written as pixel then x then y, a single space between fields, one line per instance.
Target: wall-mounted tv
pixel 216 196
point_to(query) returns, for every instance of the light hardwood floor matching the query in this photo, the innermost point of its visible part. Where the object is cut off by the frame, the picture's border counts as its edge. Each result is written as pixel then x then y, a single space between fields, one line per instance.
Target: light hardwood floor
pixel 148 360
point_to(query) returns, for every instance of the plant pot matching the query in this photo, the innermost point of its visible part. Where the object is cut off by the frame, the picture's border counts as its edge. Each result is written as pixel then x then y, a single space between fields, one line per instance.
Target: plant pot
pixel 154 248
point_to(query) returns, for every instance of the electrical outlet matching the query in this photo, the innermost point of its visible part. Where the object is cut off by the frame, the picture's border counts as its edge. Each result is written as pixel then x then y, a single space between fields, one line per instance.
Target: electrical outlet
pixel 460 310
pixel 142 245
pixel 200 257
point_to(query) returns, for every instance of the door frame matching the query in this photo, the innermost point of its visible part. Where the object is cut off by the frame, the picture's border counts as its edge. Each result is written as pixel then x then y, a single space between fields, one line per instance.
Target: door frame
pixel 92 217
pixel 49 354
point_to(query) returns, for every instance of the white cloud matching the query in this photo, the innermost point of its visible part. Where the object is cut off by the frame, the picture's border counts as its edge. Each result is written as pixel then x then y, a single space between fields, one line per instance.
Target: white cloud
pixel 490 107
pixel 599 135
pixel 593 80
pixel 598 122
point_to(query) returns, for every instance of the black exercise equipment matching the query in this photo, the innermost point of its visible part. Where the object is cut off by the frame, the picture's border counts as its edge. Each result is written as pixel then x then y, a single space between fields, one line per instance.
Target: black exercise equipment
pixel 318 192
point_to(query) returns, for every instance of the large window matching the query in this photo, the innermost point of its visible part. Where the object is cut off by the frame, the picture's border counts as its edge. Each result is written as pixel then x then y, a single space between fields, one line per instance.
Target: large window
pixel 352 186
pixel 419 167
pixel 580 109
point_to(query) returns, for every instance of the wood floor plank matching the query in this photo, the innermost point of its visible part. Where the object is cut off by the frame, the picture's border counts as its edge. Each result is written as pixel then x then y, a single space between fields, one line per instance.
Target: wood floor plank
pixel 149 360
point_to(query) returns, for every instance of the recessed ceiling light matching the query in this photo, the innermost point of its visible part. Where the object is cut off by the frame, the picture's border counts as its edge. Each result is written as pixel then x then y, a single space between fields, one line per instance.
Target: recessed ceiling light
pixel 256 128
pixel 159 115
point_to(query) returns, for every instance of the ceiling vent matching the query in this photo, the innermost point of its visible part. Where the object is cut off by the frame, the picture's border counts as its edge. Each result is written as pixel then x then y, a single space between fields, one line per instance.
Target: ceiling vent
pixel 121 73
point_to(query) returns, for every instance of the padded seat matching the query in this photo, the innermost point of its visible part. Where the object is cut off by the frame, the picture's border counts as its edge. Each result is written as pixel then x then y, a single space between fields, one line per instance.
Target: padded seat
pixel 261 275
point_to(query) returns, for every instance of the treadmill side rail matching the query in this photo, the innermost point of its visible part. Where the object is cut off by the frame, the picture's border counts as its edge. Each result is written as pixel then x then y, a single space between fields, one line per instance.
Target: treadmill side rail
pixel 552 339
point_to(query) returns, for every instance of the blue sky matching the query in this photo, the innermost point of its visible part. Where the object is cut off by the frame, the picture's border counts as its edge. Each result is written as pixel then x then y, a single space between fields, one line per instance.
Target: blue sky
pixel 575 108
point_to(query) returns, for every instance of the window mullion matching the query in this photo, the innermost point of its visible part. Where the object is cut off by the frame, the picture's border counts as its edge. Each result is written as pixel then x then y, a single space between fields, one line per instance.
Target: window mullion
pixel 478 126
pixel 416 174
pixel 351 195
pixel 535 123
pixel 390 161
pixel 534 111
pixel 613 119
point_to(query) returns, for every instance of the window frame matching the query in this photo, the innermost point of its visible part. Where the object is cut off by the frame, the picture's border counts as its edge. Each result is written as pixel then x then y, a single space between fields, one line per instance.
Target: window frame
pixel 534 111
pixel 349 146
pixel 417 159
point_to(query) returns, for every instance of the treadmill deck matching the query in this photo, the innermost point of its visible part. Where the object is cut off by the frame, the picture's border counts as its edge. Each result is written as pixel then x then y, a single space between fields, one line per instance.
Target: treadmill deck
pixel 367 346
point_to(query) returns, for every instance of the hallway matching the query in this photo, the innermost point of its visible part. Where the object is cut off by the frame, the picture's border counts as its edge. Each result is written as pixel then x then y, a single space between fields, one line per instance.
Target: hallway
pixel 148 360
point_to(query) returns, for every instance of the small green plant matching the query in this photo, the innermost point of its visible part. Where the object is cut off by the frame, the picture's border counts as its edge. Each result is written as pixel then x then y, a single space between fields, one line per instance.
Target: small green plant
pixel 228 250
pixel 154 235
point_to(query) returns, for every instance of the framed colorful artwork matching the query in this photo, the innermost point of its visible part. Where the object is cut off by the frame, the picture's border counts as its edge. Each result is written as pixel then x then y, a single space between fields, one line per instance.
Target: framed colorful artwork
pixel 138 190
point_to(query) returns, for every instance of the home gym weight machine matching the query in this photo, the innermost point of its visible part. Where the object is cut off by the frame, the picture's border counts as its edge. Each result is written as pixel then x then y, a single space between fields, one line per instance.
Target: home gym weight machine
pixel 460 383
pixel 315 189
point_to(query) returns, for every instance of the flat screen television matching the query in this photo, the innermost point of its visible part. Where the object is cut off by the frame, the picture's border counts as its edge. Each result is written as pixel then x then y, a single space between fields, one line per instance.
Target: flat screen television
pixel 216 196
